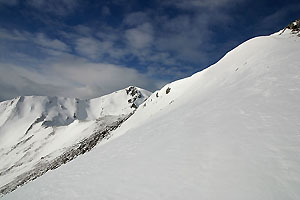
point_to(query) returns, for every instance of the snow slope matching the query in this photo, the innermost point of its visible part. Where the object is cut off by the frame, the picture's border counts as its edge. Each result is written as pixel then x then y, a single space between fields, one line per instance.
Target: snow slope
pixel 231 131
pixel 34 130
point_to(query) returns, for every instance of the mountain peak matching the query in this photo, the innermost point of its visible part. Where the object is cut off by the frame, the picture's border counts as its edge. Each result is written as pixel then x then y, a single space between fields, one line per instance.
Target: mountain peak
pixel 136 96
pixel 294 26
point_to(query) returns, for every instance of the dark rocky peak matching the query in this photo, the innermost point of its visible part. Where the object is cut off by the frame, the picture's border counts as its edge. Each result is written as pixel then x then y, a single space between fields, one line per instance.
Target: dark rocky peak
pixel 294 26
pixel 131 90
pixel 135 96
pixel 134 92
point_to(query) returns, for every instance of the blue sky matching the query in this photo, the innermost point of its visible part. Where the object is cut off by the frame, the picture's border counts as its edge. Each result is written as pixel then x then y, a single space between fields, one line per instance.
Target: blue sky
pixel 88 48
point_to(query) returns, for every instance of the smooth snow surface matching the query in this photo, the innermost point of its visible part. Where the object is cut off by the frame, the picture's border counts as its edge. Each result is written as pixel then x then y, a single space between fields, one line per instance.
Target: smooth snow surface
pixel 230 132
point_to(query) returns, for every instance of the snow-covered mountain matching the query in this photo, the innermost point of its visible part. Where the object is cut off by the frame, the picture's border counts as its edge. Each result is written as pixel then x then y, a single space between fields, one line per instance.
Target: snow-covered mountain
pixel 39 133
pixel 231 131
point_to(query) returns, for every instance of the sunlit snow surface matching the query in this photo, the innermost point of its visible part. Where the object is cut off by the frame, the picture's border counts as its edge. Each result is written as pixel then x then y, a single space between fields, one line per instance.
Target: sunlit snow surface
pixel 230 132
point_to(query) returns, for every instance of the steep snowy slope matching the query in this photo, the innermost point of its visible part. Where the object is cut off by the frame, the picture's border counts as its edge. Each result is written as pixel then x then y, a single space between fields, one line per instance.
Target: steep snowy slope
pixel 36 130
pixel 231 131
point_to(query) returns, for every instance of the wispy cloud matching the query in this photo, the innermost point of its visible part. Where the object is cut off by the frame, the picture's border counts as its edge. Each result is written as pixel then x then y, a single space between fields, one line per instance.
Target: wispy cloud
pixel 49 67
pixel 278 17
pixel 67 50
pixel 12 35
pixel 105 11
pixel 140 37
pixel 8 2
pixel 35 40
pixel 198 4
pixel 154 46
pixel 46 42
pixel 69 77
pixel 136 18
pixel 57 7
pixel 90 47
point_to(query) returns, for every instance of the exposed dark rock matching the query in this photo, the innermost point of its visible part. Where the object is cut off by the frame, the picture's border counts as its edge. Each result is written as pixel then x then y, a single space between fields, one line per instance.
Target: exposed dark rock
pixel 38 120
pixel 133 91
pixel 133 106
pixel 168 90
pixel 135 94
pixel 294 26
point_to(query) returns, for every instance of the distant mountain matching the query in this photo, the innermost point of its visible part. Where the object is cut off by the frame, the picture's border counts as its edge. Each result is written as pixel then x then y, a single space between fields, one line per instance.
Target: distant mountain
pixel 39 133
pixel 231 131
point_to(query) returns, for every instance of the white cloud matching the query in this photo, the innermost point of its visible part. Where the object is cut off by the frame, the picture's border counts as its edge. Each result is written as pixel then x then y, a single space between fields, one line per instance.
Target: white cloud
pixel 40 39
pixel 71 77
pixel 136 18
pixel 81 30
pixel 140 37
pixel 12 35
pixel 59 73
pixel 16 81
pixel 44 41
pixel 91 47
pixel 160 41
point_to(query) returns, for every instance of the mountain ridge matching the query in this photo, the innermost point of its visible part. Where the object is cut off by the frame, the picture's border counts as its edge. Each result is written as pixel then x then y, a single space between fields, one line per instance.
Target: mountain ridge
pixel 230 131
pixel 34 130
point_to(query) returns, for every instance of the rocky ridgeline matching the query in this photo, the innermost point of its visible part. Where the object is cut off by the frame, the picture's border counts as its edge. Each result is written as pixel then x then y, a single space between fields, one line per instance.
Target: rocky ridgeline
pixel 80 148
pixel 294 26
pixel 135 94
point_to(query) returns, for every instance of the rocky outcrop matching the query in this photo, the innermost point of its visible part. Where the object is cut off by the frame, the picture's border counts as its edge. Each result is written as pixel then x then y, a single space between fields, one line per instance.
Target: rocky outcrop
pixel 135 94
pixel 294 26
